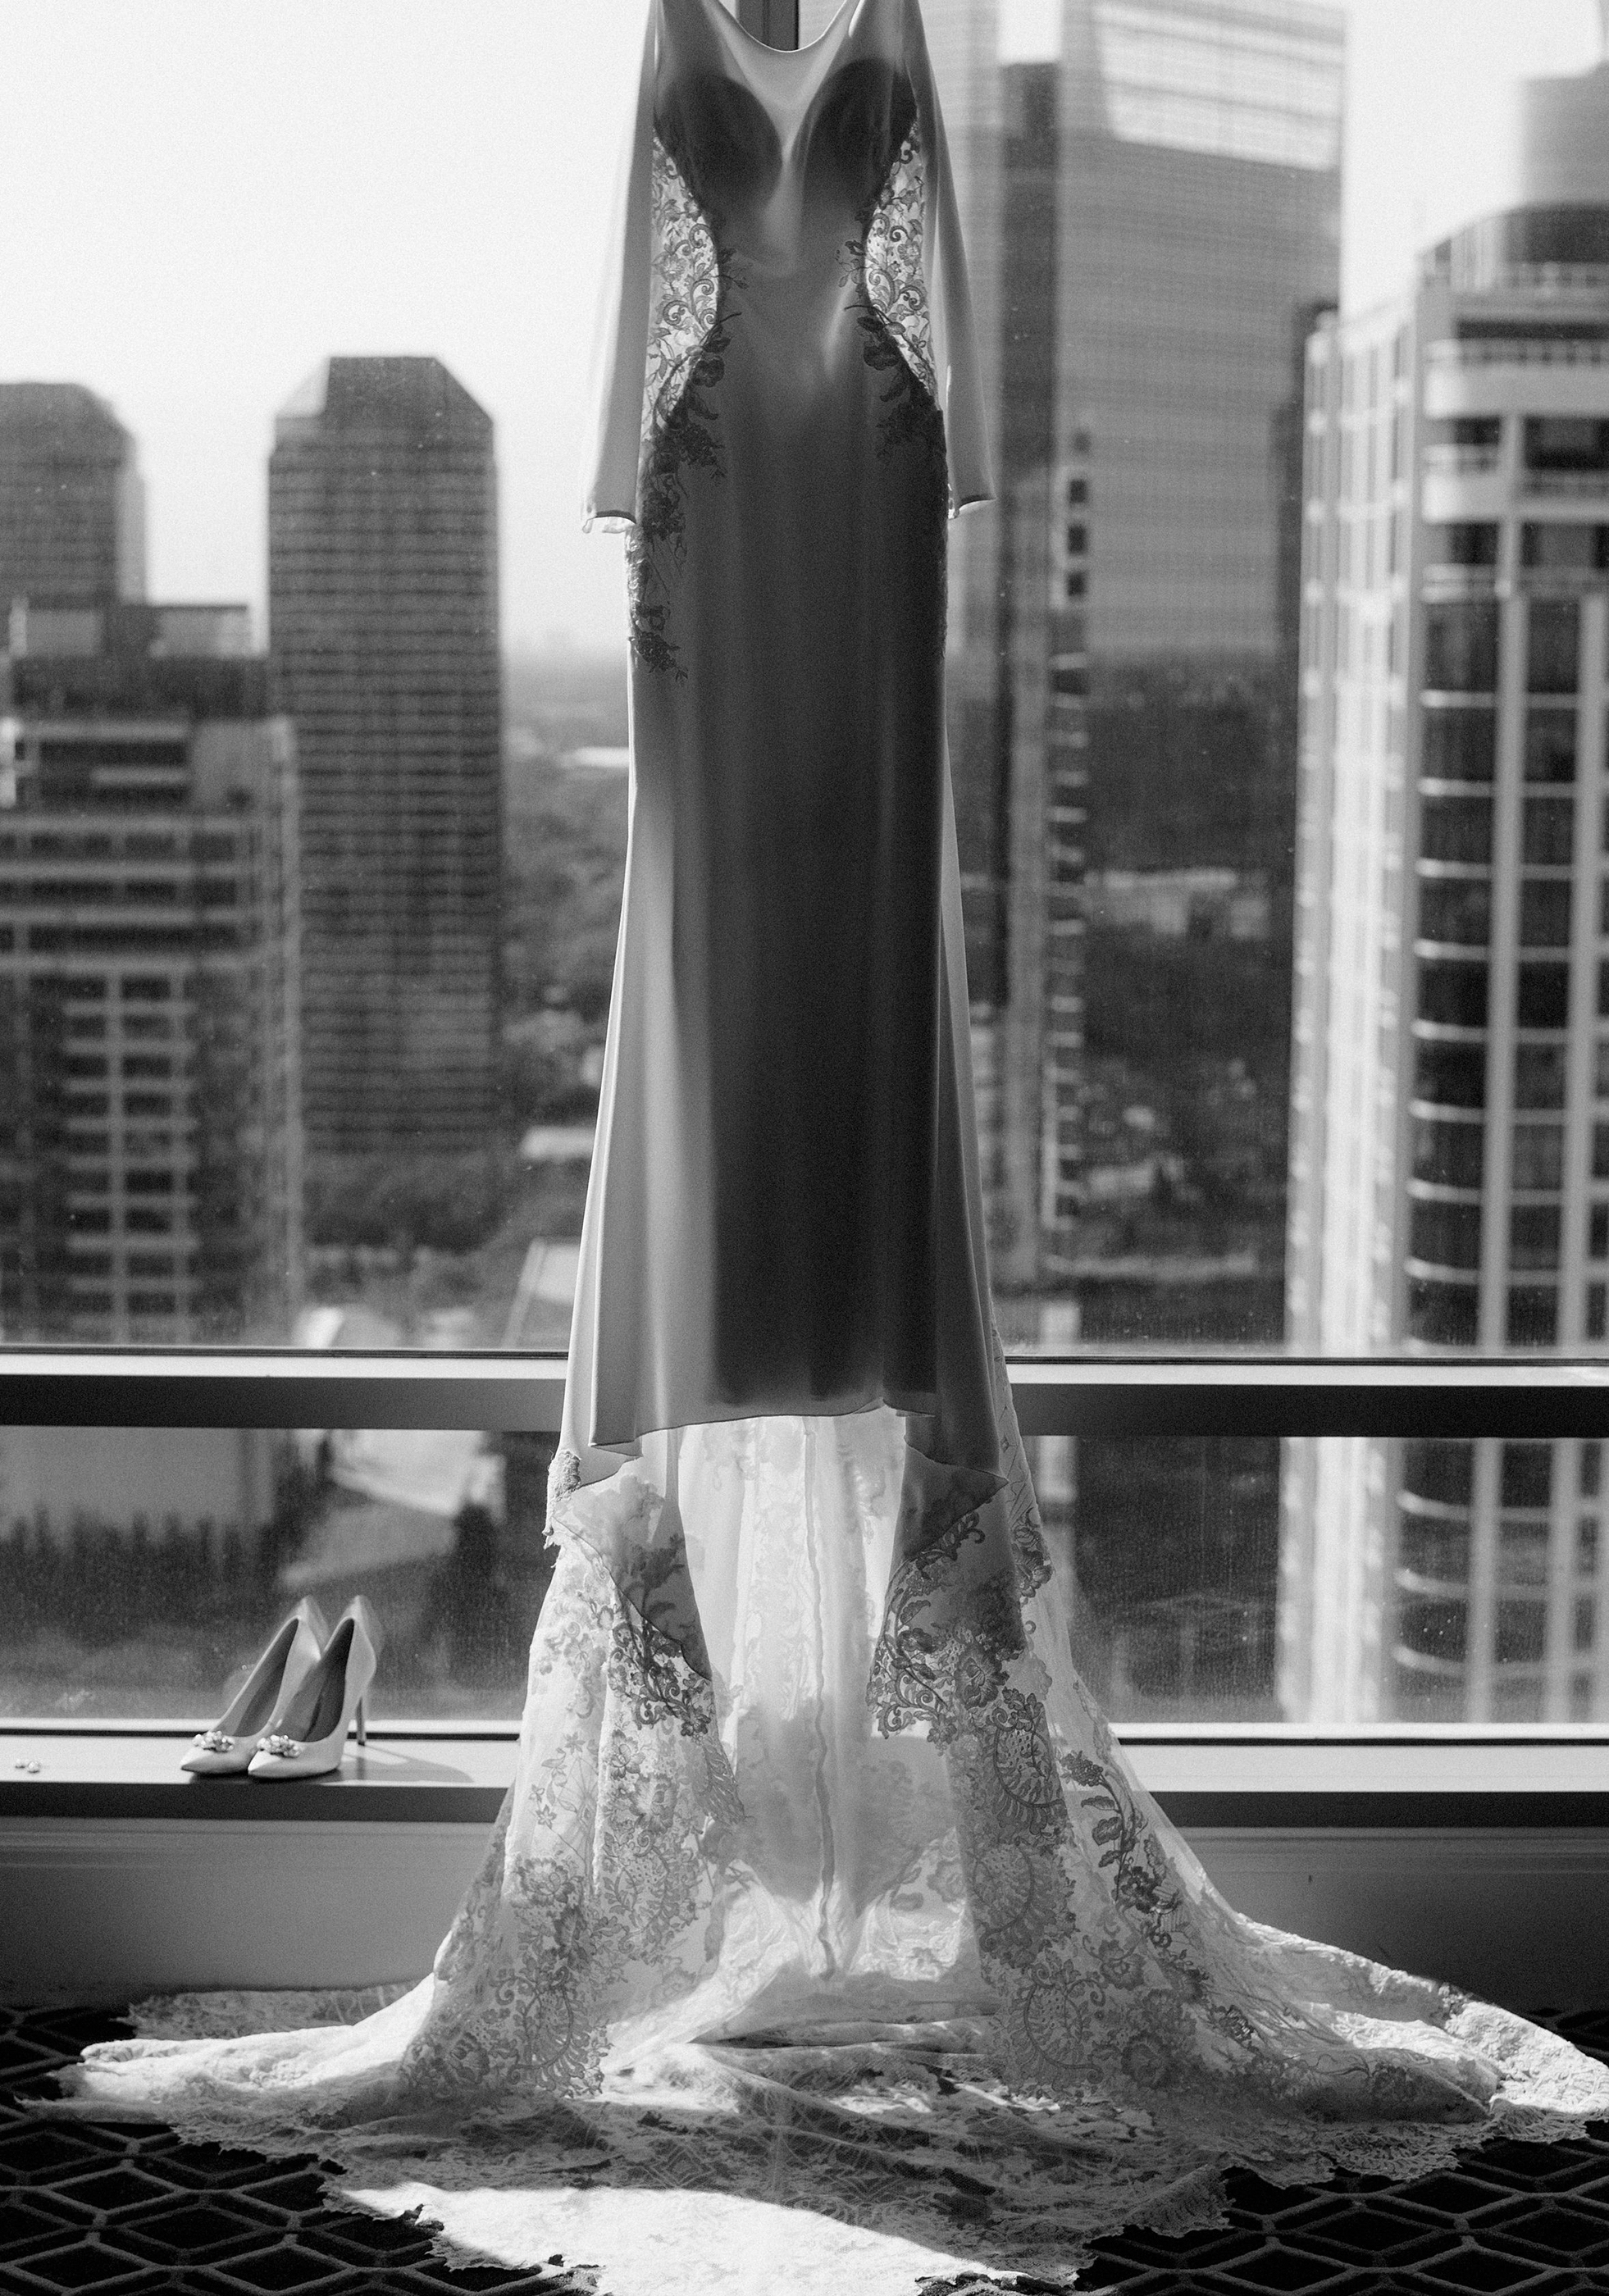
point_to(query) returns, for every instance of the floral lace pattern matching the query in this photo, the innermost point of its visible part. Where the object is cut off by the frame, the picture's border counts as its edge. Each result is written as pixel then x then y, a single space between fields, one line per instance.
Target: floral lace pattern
pixel 956 1999
pixel 884 268
pixel 891 261
pixel 689 335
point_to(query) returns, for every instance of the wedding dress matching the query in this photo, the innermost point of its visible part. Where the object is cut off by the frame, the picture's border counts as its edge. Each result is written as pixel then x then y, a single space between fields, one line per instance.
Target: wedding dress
pixel 826 1930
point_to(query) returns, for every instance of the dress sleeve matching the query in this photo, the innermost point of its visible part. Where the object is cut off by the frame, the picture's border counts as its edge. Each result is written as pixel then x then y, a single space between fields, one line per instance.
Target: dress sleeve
pixel 950 296
pixel 609 469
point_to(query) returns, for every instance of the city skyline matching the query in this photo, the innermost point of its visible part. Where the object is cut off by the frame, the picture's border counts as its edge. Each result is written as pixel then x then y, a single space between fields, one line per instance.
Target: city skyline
pixel 210 280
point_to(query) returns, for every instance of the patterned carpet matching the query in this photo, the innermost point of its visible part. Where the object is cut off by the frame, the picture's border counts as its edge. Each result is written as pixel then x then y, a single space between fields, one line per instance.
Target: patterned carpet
pixel 128 2209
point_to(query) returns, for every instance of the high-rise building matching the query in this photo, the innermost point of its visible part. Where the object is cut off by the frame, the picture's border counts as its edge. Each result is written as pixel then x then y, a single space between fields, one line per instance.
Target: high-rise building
pixel 1194 147
pixel 382 590
pixel 72 522
pixel 1450 1159
pixel 1038 1034
pixel 149 1117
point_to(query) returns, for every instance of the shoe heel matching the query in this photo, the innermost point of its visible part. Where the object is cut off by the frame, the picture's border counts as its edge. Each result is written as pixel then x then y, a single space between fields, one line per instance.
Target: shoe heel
pixel 362 1721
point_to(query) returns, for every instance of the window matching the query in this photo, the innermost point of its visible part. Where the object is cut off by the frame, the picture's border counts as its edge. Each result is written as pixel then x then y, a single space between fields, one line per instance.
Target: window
pixel 1566 443
pixel 1457 910
pixel 1461 647
pixel 1162 1170
pixel 1449 1075
pixel 1454 996
pixel 1462 545
pixel 1457 829
pixel 1459 744
pixel 1564 546
pixel 1552 662
pixel 1542 1000
pixel 1550 746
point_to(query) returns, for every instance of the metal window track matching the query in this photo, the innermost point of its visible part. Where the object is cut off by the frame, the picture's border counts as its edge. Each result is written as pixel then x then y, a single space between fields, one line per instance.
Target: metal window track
pixel 1082 1396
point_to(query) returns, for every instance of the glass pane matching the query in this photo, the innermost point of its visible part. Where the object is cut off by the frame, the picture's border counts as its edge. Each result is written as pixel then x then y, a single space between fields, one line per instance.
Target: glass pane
pixel 1539 1150
pixel 1322 1583
pixel 310 886
pixel 1461 647
pixel 1458 745
pixel 1445 1235
pixel 1534 1237
pixel 1457 829
pixel 1538 1076
pixel 1545 911
pixel 1553 659
pixel 1573 443
pixel 1542 996
pixel 1533 1316
pixel 142 1572
pixel 1442 1314
pixel 1450 1155
pixel 1455 910
pixel 1449 1075
pixel 1454 996
pixel 1564 546
pixel 1550 745
pixel 1462 543
pixel 1549 833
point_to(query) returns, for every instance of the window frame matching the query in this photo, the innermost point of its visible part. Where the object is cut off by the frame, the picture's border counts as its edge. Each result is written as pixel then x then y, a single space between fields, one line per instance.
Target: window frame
pixel 1132 1396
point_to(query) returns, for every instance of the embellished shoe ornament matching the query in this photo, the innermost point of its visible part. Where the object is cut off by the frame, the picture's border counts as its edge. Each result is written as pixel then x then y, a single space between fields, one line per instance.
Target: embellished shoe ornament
pixel 292 1653
pixel 310 1732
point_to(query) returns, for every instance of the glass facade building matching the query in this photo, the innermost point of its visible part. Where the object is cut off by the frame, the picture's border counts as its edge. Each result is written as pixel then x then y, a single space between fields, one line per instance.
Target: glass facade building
pixel 382 594
pixel 1449 1173
pixel 1172 186
pixel 150 1178
pixel 72 508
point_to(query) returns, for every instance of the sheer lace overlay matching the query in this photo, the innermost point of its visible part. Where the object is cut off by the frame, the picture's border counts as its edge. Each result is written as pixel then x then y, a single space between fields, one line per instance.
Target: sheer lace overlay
pixel 957 1992
pixel 688 335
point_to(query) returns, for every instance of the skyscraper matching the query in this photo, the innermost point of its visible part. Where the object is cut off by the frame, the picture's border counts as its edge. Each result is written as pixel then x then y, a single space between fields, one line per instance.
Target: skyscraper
pixel 71 507
pixel 383 588
pixel 150 1119
pixel 1449 1160
pixel 1195 151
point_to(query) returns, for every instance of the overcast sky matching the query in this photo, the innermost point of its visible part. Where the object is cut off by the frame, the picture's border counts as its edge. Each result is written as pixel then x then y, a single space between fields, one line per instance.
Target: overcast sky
pixel 201 199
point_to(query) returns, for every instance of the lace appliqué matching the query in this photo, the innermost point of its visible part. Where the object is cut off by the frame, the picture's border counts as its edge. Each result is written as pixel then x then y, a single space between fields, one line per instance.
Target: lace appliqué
pixel 1042 2022
pixel 597 1886
pixel 954 1616
pixel 563 1477
pixel 948 1625
pixel 689 335
pixel 884 267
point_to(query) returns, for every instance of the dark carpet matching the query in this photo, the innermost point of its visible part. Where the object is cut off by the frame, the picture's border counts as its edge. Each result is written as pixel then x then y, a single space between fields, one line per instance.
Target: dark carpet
pixel 124 2210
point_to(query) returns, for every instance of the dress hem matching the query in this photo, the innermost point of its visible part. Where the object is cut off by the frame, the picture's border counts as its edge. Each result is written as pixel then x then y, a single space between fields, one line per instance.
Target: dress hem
pixel 917 1402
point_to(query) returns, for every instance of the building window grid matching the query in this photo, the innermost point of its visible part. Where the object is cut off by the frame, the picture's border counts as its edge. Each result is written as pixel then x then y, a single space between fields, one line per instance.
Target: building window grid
pixel 1523 1531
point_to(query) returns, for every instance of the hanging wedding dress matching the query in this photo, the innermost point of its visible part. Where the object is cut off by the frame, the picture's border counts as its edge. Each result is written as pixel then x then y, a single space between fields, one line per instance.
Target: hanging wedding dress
pixel 826 1930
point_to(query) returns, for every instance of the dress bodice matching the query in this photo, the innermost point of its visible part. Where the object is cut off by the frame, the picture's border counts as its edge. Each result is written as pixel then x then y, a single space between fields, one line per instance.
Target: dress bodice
pixel 811 187
pixel 771 188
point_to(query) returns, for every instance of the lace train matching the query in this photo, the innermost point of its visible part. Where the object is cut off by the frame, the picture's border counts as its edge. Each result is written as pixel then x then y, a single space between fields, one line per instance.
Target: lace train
pixel 926 1963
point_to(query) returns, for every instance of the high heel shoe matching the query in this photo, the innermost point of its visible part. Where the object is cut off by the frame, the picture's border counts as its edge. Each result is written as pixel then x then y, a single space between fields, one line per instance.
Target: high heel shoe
pixel 228 1748
pixel 308 1735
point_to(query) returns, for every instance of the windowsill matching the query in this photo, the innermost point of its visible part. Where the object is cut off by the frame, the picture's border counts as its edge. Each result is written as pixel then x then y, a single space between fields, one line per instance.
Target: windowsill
pixel 1202 1776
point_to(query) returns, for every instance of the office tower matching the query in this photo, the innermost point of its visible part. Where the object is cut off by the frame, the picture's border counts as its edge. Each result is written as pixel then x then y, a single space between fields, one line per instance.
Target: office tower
pixel 383 588
pixel 150 1124
pixel 1449 1160
pixel 1195 223
pixel 72 506
pixel 1042 676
